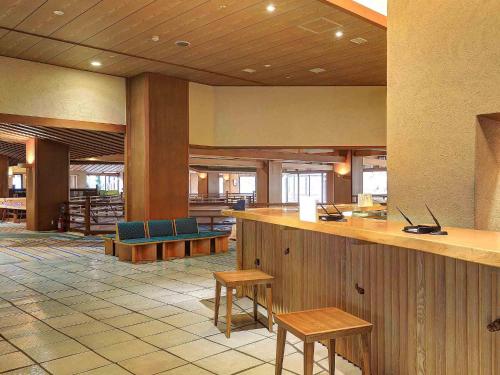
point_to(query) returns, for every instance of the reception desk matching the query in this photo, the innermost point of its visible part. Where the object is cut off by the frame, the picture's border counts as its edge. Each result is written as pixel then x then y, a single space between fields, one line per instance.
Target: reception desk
pixel 430 298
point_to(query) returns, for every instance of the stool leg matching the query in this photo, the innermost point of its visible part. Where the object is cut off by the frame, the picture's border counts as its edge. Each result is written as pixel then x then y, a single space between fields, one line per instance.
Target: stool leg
pixel 218 288
pixel 280 350
pixel 255 289
pixel 365 345
pixel 229 310
pixel 269 297
pixel 308 358
pixel 331 356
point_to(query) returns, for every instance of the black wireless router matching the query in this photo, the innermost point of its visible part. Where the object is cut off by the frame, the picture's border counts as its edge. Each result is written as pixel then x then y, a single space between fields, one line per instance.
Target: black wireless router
pixel 339 216
pixel 423 229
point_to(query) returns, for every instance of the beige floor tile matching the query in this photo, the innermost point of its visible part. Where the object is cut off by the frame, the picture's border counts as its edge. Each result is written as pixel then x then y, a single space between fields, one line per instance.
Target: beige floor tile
pixel 152 363
pixel 14 360
pixel 6 348
pixel 86 329
pixel 107 370
pixel 50 351
pixel 68 320
pixel 125 350
pixel 162 311
pixel 342 367
pixel 152 327
pixel 295 363
pixel 237 339
pixel 227 363
pixel 75 364
pixel 264 350
pixel 106 338
pixel 126 320
pixel 31 370
pixel 186 370
pixel 205 329
pixel 16 319
pixel 265 369
pixel 108 312
pixel 39 339
pixel 184 319
pixel 195 350
pixel 170 338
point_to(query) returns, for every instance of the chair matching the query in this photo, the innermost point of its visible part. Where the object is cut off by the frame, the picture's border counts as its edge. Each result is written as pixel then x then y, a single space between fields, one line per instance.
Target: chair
pixel 233 279
pixel 327 325
pixel 132 243
pixel 163 231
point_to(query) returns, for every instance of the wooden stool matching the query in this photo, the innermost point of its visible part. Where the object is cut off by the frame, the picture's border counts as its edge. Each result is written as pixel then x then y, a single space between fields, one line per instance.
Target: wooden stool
pixel 322 324
pixel 233 279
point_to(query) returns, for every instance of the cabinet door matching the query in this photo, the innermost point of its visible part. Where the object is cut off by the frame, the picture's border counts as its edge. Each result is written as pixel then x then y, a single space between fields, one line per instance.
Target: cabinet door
pixel 292 269
pixel 248 244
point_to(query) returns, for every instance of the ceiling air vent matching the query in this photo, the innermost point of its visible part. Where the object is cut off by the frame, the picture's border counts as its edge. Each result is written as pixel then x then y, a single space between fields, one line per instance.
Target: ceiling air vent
pixel 359 40
pixel 320 25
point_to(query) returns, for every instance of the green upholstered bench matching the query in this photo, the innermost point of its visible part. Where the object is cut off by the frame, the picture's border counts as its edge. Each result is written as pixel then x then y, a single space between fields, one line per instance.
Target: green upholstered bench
pixel 200 243
pixel 133 244
pixel 163 231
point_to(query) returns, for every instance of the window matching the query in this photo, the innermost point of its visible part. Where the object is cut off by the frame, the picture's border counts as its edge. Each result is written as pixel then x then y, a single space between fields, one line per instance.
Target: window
pixel 295 185
pixel 17 181
pixel 105 182
pixel 73 181
pixel 375 182
pixel 247 184
pixel 221 185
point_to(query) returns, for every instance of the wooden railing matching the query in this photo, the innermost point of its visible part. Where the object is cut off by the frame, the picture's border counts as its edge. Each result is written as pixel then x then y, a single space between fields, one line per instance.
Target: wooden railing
pixel 226 198
pixel 95 214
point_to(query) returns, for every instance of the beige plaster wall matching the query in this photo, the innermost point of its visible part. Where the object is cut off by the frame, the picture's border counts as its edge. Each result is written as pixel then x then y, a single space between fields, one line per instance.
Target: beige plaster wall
pixel 201 114
pixel 300 116
pixel 443 70
pixel 34 89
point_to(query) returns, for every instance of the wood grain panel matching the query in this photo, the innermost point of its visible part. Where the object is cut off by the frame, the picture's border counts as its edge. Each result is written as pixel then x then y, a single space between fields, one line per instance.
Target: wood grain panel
pixel 4 176
pixel 429 312
pixel 226 37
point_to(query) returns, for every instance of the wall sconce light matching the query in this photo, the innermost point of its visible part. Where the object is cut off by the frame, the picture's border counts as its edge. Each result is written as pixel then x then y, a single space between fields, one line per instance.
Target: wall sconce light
pixel 202 175
pixel 341 169
pixel 225 176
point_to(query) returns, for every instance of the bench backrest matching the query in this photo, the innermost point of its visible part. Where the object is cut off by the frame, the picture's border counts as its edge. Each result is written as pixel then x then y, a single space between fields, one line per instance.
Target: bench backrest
pixel 130 230
pixel 187 225
pixel 160 228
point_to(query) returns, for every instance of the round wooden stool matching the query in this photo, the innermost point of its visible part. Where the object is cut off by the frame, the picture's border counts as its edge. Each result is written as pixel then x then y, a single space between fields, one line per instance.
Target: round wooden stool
pixel 233 279
pixel 327 325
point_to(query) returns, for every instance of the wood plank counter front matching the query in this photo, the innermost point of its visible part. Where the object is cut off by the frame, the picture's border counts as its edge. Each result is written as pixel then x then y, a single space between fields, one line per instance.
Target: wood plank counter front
pixel 430 298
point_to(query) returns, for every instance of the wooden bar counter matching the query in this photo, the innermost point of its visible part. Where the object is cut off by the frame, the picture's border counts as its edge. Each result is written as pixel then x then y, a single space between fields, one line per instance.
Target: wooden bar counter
pixel 430 298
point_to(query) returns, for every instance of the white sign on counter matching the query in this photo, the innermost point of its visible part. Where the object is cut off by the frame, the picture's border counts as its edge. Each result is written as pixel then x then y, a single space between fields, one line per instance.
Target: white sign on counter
pixel 307 209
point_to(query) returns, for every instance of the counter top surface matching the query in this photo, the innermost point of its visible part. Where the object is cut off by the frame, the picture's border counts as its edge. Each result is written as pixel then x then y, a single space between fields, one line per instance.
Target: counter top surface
pixel 471 245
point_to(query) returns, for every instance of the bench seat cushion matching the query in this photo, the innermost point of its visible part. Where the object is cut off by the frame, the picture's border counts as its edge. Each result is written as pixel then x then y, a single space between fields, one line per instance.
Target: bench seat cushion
pixel 161 228
pixel 131 230
pixel 135 241
pixel 111 235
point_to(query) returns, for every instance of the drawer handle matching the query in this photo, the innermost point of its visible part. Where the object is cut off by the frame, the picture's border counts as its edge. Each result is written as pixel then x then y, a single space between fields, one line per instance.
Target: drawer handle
pixel 359 289
pixel 287 251
pixel 494 326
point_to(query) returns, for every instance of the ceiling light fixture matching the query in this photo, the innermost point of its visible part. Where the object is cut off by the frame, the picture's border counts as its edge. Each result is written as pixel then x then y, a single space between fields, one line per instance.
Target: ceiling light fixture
pixel 58 12
pixel 271 8
pixel 317 70
pixel 359 40
pixel 339 33
pixel 155 38
pixel 249 70
pixel 182 43
pixel 267 66
pixel 95 63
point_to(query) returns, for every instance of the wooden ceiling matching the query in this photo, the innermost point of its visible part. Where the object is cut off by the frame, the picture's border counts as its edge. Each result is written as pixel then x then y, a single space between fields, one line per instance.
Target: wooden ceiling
pixel 82 143
pixel 226 37
pixel 92 168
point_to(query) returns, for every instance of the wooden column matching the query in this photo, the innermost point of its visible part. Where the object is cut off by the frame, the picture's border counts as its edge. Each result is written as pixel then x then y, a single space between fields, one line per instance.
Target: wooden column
pixel 4 176
pixel 202 185
pixel 47 185
pixel 330 185
pixel 213 183
pixel 157 172
pixel 269 182
pixel 342 181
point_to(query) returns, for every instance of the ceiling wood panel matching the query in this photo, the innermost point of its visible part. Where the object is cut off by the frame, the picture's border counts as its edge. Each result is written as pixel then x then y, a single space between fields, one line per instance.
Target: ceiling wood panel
pixel 226 37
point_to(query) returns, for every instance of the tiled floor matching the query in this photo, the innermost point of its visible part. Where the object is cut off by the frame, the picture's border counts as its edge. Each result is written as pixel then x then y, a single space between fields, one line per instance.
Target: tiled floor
pixel 75 310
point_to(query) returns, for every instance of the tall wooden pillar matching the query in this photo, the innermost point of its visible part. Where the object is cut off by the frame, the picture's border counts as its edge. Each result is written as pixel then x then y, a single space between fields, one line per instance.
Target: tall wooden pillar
pixel 213 183
pixel 269 183
pixel 342 181
pixel 157 152
pixel 4 176
pixel 47 185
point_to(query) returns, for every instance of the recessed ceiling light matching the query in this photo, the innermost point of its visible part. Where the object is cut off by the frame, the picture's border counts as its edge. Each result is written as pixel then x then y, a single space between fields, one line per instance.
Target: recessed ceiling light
pixel 317 70
pixel 95 63
pixel 359 40
pixel 249 70
pixel 271 8
pixel 339 33
pixel 267 66
pixel 155 38
pixel 182 43
pixel 58 12
pixel 222 6
pixel 288 77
